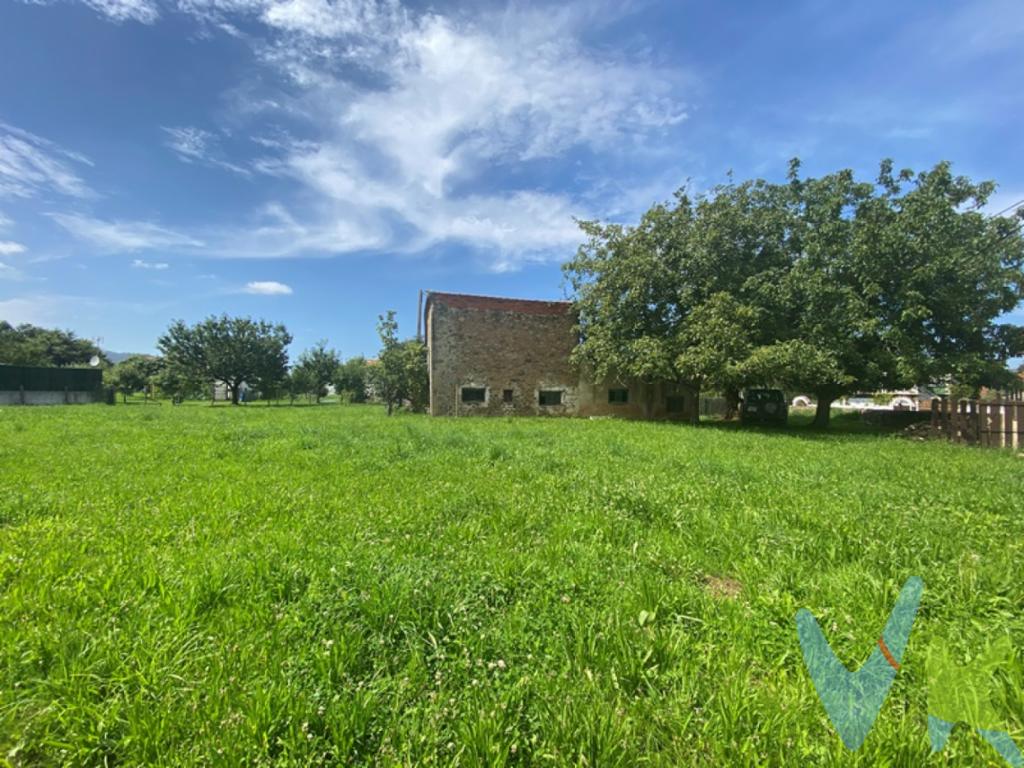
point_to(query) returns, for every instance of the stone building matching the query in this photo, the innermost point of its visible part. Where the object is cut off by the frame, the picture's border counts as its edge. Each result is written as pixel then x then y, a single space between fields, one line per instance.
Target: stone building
pixel 497 356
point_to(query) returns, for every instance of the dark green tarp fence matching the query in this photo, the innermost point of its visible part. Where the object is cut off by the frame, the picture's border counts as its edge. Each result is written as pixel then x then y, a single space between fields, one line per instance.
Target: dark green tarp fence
pixel 15 377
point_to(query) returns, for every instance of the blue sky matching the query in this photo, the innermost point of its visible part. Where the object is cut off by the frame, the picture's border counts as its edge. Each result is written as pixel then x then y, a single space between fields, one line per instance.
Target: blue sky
pixel 316 162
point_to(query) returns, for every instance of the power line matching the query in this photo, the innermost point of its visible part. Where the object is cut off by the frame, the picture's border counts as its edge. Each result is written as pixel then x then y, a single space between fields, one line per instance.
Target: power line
pixel 1012 233
pixel 1018 204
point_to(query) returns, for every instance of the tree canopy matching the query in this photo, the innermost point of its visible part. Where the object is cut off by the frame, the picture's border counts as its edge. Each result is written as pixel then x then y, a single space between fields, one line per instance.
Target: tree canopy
pixel 136 373
pixel 401 371
pixel 352 379
pixel 315 369
pixel 232 350
pixel 30 345
pixel 826 285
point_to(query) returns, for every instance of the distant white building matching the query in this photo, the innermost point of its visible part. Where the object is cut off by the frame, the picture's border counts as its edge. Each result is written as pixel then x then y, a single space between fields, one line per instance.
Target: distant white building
pixel 912 399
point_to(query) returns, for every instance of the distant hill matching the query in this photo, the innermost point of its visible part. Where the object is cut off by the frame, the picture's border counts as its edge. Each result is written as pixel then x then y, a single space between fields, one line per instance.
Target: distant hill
pixel 117 357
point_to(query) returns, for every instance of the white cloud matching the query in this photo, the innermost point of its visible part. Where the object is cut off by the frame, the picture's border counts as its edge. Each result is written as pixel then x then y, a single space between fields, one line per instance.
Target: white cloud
pixel 267 288
pixel 31 165
pixel 157 265
pixel 5 223
pixel 415 159
pixel 143 11
pixel 188 142
pixel 9 248
pixel 196 145
pixel 415 126
pixel 116 236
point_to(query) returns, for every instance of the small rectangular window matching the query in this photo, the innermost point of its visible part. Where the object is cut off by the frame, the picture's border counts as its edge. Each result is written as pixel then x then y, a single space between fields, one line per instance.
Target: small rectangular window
pixel 474 395
pixel 618 396
pixel 550 397
pixel 675 404
pixel 506 396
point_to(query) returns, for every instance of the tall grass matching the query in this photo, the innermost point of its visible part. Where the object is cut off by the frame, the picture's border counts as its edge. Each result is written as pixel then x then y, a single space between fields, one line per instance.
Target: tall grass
pixel 296 586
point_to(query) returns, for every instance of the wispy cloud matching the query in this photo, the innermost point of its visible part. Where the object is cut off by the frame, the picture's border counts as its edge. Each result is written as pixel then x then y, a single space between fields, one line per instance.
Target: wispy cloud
pixel 31 165
pixel 5 223
pixel 267 288
pixel 10 248
pixel 196 145
pixel 116 236
pixel 144 11
pixel 413 122
pixel 155 265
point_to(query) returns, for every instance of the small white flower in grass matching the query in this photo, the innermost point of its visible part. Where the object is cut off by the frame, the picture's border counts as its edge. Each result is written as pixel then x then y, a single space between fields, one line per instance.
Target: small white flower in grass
pixel 501 663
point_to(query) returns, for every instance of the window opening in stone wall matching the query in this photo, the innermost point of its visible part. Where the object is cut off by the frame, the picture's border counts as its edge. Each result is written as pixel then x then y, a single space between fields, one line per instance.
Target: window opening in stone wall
pixel 474 395
pixel 506 396
pixel 618 396
pixel 550 397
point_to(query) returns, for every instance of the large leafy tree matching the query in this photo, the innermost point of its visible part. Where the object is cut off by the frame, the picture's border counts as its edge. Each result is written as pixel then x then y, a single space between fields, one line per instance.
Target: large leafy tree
pixel 825 340
pixel 628 295
pixel 232 350
pixel 828 285
pixel 895 283
pixel 401 372
pixel 685 295
pixel 30 345
pixel 316 368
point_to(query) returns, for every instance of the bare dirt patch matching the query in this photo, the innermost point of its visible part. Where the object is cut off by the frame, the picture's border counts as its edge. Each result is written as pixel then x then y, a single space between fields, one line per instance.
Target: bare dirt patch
pixel 722 587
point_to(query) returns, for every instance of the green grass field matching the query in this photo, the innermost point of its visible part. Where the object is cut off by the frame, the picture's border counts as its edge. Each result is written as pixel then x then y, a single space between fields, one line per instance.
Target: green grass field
pixel 324 585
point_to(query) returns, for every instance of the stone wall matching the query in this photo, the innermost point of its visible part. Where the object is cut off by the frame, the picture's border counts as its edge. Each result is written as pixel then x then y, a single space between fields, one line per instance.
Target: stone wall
pixel 643 400
pixel 499 347
pixel 523 348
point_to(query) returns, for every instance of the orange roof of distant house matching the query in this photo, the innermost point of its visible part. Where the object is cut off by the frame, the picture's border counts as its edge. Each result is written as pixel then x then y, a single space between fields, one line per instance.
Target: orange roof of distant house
pixel 497 304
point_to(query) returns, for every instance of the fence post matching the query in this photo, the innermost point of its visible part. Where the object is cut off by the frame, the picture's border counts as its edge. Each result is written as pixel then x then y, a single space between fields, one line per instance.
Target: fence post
pixel 935 418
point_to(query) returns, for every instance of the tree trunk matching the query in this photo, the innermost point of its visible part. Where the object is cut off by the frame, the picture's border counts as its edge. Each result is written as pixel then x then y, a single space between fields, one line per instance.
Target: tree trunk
pixel 824 409
pixel 695 410
pixel 234 394
pixel 732 403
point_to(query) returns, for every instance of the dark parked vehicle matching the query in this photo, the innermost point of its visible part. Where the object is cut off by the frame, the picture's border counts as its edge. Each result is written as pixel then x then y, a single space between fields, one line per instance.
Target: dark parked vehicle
pixel 764 406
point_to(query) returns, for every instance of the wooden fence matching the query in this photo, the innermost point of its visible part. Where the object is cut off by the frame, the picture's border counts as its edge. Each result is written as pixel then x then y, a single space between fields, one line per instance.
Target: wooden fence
pixel 995 424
